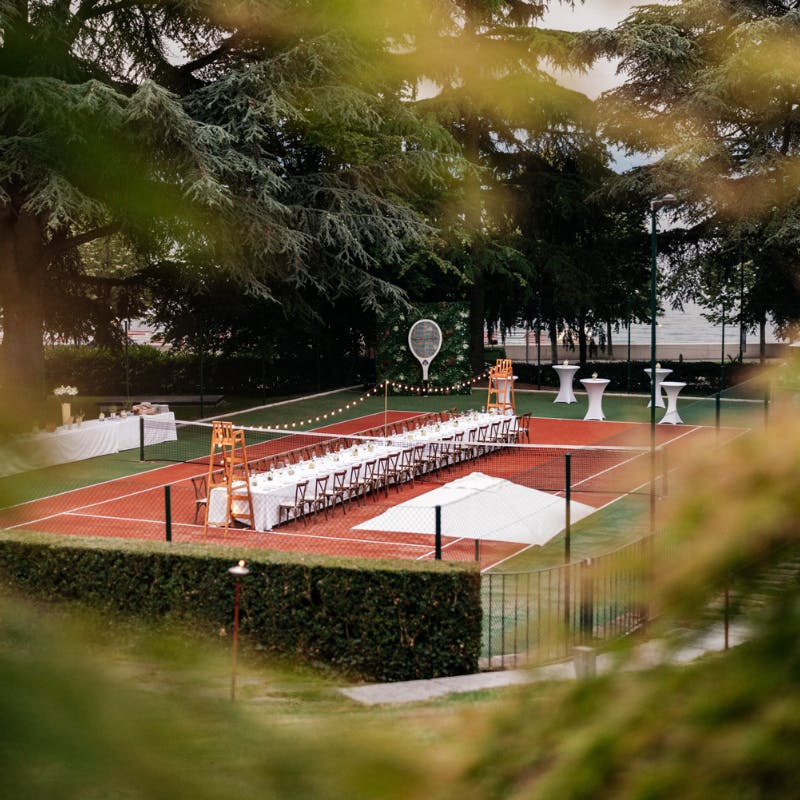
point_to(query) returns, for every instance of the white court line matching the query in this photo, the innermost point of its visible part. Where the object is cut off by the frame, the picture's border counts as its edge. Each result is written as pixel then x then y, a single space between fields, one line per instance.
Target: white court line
pixel 281 403
pixel 249 531
pixel 292 534
pixel 605 505
pixel 78 509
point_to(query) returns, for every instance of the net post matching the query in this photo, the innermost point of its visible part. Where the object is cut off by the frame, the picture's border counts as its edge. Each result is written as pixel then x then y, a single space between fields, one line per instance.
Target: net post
pixel 168 512
pixel 141 438
pixel 438 534
pixel 568 497
pixel 567 544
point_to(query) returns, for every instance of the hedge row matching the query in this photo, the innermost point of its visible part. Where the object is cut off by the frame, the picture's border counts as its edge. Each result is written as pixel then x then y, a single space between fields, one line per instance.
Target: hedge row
pixel 380 621
pixel 101 371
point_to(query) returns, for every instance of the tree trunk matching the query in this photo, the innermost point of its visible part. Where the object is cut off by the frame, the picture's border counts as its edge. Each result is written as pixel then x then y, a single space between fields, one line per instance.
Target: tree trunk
pixel 477 304
pixel 609 342
pixel 582 339
pixel 23 274
pixel 551 327
pixel 472 210
pixel 762 339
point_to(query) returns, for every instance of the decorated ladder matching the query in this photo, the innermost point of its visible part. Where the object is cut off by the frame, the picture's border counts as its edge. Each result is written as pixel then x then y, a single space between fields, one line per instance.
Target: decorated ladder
pixel 228 447
pixel 501 387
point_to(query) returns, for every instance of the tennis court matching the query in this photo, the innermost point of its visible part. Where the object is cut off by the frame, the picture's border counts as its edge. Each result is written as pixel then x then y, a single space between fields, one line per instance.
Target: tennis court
pixel 608 460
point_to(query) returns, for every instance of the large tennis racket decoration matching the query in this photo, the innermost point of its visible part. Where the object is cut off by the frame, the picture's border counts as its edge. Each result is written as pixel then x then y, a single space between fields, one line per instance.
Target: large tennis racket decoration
pixel 424 341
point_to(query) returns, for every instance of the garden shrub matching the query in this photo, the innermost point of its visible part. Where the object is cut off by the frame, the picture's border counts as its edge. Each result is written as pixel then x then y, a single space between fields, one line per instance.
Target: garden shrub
pixel 376 620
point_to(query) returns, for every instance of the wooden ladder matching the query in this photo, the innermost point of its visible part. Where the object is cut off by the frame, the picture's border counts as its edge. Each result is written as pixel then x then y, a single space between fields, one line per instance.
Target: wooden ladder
pixel 228 444
pixel 501 386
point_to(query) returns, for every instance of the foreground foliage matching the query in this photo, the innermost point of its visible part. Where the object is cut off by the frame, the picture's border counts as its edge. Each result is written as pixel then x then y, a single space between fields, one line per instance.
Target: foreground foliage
pixel 724 727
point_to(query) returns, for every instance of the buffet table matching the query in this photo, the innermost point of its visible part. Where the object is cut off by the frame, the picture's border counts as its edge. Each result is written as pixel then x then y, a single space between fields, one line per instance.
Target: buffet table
pixel 92 438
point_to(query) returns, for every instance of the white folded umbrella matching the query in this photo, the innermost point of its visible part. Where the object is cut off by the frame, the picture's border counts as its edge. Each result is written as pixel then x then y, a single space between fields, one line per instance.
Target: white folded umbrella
pixel 479 506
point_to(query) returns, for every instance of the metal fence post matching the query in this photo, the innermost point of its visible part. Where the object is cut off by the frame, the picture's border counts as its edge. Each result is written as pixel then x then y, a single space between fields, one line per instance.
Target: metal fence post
pixel 727 613
pixel 168 511
pixel 141 438
pixel 438 539
pixel 587 600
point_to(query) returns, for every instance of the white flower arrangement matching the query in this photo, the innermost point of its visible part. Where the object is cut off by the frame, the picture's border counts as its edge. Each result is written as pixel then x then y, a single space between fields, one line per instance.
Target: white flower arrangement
pixel 61 391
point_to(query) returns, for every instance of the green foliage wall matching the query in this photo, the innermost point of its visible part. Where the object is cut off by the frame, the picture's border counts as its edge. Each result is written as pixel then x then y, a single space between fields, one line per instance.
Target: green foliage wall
pixel 98 371
pixel 396 362
pixel 380 621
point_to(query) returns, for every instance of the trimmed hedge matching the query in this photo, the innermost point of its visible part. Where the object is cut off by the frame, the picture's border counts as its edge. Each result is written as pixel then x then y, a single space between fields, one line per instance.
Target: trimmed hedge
pixel 383 620
pixel 99 371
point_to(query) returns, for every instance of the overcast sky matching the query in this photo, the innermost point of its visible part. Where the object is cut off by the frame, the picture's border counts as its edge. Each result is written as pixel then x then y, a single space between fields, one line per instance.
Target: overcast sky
pixel 592 14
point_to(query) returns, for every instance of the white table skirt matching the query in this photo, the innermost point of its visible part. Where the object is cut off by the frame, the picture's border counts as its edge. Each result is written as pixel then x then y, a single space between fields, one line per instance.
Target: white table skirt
pixel 92 438
pixel 594 392
pixel 565 373
pixel 268 493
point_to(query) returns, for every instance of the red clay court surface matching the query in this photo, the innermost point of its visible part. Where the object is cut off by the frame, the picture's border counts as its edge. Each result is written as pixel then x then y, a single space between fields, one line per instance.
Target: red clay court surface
pixel 134 507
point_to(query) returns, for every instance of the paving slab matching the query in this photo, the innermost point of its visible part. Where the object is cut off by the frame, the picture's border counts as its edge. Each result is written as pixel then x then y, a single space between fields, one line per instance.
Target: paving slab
pixel 645 656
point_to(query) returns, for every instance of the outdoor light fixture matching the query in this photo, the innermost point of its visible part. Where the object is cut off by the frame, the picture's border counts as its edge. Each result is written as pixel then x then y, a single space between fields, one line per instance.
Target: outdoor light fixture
pixel 239 571
pixel 655 205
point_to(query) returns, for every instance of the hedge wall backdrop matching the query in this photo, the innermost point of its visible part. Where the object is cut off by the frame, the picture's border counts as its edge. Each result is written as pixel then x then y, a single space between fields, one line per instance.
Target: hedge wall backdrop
pixel 397 364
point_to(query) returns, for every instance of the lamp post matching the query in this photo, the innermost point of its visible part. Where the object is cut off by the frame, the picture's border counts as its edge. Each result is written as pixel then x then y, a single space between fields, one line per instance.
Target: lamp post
pixel 655 205
pixel 239 571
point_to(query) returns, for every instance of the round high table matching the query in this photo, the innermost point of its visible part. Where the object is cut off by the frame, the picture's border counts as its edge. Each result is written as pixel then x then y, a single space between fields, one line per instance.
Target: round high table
pixel 594 391
pixel 672 388
pixel 565 375
pixel 660 375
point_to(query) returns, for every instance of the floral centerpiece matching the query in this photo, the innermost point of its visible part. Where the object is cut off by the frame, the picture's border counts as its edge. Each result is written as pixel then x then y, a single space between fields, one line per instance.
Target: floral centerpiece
pixel 66 408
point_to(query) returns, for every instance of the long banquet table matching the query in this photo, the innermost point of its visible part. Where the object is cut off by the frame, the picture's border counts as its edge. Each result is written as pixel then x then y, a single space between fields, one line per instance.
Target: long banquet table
pixel 92 438
pixel 269 489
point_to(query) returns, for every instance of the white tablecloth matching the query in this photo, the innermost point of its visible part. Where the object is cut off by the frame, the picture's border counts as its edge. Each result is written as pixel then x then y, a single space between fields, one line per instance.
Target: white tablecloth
pixel 269 490
pixel 92 438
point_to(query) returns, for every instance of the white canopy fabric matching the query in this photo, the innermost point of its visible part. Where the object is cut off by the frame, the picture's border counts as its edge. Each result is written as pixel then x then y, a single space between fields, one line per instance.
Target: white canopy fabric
pixel 479 506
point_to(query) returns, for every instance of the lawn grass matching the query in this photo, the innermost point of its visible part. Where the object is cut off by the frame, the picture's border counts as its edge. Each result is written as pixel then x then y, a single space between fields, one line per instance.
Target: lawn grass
pixel 113 707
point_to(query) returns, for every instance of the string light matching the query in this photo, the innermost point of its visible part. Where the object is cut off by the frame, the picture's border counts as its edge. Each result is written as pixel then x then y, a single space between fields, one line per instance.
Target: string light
pixel 379 389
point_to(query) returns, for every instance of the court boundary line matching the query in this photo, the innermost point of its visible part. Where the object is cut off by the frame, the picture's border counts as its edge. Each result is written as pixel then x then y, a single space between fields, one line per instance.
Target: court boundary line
pixel 634 491
pixel 282 433
pixel 282 403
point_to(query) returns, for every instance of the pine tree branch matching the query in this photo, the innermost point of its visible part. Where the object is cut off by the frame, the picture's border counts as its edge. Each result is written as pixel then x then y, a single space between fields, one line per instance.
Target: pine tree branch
pixel 99 11
pixel 210 58
pixel 61 245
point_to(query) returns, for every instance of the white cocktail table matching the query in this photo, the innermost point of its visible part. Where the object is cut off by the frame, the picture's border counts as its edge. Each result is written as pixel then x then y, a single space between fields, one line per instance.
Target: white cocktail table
pixel 672 388
pixel 660 375
pixel 565 375
pixel 594 391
